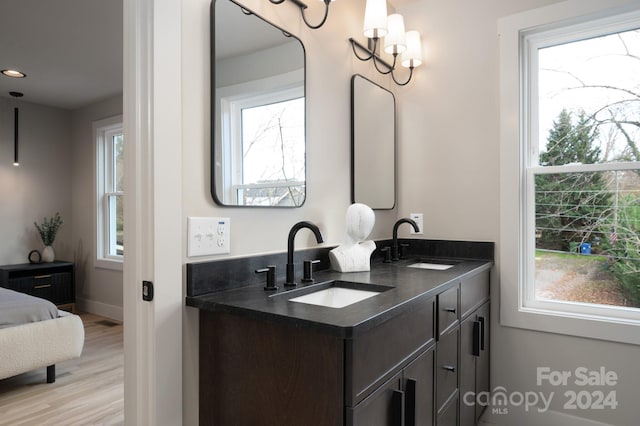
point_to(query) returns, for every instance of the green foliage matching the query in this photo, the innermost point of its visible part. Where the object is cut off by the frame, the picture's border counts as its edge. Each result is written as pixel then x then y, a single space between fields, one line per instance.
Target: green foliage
pixel 49 228
pixel 569 205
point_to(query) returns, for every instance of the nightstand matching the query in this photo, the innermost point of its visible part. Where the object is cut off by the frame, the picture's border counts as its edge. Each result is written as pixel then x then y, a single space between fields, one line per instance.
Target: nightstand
pixel 53 281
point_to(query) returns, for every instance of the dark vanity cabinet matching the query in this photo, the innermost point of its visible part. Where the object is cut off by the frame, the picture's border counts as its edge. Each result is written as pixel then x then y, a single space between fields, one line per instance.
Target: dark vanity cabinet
pixel 462 351
pixel 474 346
pixel 407 369
pixel 389 371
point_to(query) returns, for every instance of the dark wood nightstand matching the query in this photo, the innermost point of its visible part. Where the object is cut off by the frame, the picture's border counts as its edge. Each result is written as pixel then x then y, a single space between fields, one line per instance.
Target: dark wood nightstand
pixel 53 281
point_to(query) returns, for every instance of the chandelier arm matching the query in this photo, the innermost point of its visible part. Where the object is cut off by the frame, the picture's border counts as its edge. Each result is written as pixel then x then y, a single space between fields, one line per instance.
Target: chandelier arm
pixel 355 44
pixel 324 19
pixel 406 82
pixel 377 60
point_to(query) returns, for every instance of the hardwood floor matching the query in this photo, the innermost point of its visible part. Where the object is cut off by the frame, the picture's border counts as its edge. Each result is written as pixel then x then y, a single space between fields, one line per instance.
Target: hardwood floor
pixel 87 391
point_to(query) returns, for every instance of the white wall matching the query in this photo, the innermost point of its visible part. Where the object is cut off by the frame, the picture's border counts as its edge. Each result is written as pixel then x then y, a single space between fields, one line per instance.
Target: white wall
pixel 98 290
pixel 449 155
pixel 329 69
pixel 39 187
pixel 448 165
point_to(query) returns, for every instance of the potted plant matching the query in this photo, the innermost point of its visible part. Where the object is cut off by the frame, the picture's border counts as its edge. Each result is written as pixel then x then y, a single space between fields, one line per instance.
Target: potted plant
pixel 47 231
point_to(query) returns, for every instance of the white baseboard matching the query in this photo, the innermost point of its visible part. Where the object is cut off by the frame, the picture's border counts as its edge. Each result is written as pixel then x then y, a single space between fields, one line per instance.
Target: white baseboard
pixel 93 307
pixel 533 418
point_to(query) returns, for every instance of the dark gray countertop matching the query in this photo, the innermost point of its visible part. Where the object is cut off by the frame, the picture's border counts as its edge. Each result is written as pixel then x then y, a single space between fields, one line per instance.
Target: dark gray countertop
pixel 406 287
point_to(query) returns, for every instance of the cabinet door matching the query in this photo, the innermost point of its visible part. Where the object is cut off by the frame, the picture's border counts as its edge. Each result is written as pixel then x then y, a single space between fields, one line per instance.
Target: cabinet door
pixel 449 415
pixel 418 387
pixel 384 407
pixel 482 360
pixel 446 367
pixel 467 371
pixel 474 364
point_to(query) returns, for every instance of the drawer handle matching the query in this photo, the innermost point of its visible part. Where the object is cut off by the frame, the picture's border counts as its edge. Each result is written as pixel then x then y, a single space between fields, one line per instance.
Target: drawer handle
pixel 449 367
pixel 477 338
pixel 40 277
pixel 42 286
pixel 397 402
pixel 410 403
pixel 452 310
pixel 482 332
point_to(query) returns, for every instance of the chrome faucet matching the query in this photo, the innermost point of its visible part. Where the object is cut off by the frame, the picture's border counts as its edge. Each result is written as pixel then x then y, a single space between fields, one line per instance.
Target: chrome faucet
pixel 290 281
pixel 395 249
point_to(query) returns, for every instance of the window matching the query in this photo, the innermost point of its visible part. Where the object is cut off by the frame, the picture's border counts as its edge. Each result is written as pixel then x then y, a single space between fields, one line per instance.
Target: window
pixel 110 192
pixel 571 228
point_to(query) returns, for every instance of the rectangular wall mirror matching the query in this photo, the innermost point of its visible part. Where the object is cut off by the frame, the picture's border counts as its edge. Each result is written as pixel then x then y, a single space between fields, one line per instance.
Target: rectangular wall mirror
pixel 258 100
pixel 373 144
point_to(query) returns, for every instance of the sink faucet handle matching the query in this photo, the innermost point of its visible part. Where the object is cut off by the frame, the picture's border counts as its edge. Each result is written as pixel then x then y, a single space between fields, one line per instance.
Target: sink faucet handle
pixel 402 247
pixel 386 251
pixel 271 276
pixel 307 271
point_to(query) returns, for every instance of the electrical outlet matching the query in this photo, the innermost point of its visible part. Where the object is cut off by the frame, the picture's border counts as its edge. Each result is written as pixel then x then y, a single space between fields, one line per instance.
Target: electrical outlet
pixel 417 218
pixel 208 235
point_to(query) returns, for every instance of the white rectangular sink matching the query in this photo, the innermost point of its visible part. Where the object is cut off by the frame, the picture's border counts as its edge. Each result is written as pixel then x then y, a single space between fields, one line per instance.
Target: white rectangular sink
pixel 335 297
pixel 434 266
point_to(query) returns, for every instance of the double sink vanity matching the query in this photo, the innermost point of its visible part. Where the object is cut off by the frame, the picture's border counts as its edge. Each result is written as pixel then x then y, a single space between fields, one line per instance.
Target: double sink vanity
pixel 406 343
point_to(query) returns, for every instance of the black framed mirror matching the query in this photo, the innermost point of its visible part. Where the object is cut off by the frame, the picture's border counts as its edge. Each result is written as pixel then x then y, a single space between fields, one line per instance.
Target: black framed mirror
pixel 258 103
pixel 373 144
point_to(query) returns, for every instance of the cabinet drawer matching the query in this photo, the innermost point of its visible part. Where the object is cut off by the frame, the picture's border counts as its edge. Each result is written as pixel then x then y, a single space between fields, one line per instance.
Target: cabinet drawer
pixel 447 309
pixel 474 292
pixel 377 354
pixel 446 367
pixel 53 287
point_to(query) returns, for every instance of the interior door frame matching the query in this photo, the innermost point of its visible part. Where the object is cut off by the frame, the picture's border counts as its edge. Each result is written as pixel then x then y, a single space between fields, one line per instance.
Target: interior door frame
pixel 152 212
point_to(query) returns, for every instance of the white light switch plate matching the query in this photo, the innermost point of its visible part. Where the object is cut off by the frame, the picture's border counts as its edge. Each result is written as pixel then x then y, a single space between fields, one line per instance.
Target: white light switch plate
pixel 208 235
pixel 417 218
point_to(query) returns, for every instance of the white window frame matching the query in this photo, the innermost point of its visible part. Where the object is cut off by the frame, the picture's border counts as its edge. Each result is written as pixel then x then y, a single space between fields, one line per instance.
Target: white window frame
pixel 517 237
pixel 103 131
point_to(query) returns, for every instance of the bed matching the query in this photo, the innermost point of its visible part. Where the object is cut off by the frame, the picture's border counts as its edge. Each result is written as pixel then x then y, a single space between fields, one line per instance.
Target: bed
pixel 35 334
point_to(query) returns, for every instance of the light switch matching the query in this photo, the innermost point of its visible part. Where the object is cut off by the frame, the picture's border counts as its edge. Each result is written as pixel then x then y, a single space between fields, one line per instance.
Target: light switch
pixel 208 236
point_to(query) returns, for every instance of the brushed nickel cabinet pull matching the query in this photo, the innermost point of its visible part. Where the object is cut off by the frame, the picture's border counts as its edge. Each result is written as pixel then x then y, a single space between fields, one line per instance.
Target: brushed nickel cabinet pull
pixel 42 286
pixel 39 277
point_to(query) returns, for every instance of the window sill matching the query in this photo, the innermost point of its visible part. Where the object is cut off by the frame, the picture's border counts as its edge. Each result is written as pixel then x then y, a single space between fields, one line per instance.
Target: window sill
pixel 115 265
pixel 573 324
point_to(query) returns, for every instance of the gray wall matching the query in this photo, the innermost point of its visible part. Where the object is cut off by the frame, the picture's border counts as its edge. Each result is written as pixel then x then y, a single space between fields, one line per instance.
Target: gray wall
pixel 40 186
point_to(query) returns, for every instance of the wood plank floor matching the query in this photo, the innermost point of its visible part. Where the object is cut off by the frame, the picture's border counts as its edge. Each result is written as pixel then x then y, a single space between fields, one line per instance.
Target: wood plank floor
pixel 88 390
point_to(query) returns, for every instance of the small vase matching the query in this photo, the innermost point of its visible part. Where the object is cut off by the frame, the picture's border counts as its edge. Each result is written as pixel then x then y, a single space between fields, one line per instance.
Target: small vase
pixel 47 254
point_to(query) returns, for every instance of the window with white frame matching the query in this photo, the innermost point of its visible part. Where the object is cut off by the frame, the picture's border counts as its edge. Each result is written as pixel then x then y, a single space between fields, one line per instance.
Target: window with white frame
pixel 578 175
pixel 110 192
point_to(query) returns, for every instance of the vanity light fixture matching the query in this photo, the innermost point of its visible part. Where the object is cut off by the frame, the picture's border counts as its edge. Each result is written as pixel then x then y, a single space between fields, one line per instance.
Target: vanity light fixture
pixel 303 6
pixel 378 25
pixel 15 129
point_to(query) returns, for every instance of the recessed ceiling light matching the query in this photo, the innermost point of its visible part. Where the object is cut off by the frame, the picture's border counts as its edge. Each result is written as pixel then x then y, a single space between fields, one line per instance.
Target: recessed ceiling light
pixel 13 73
